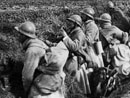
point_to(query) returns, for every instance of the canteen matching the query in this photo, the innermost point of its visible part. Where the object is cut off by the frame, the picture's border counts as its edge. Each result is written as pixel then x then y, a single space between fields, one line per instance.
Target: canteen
pixel 98 47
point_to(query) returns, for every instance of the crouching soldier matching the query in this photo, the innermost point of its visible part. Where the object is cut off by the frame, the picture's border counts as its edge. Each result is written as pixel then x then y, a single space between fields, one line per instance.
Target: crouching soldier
pixel 114 40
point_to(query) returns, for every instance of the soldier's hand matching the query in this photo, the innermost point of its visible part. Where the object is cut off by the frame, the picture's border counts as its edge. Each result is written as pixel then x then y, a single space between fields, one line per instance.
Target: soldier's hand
pixel 128 44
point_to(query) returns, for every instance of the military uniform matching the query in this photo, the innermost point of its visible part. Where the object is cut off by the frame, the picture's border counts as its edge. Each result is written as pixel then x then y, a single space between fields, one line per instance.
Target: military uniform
pixel 109 36
pixel 49 83
pixel 91 31
pixel 92 36
pixel 75 43
pixel 112 35
pixel 35 50
pixel 49 78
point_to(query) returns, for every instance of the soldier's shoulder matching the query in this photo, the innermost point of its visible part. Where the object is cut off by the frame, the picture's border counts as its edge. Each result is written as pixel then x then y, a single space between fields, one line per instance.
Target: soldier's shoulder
pixel 116 28
pixel 78 30
pixel 92 24
pixel 36 44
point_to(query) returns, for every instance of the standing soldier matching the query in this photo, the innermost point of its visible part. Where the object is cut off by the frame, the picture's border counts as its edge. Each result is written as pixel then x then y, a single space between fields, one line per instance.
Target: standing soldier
pixel 50 82
pixel 92 34
pixel 47 83
pixel 35 49
pixel 90 28
pixel 74 40
pixel 110 36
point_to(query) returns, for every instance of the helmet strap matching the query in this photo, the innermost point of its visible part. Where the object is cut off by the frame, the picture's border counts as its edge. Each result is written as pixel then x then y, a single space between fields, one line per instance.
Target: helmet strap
pixel 23 38
pixel 87 18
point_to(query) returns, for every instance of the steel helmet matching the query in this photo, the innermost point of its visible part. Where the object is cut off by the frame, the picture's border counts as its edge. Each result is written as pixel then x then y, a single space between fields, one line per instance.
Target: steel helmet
pixel 89 12
pixel 76 18
pixel 27 28
pixel 110 4
pixel 105 17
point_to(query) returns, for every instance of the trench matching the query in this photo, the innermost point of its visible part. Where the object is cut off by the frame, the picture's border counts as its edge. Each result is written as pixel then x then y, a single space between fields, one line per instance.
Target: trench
pixel 11 81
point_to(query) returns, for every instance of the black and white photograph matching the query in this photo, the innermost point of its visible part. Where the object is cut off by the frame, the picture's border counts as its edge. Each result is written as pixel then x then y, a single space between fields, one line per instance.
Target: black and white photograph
pixel 64 48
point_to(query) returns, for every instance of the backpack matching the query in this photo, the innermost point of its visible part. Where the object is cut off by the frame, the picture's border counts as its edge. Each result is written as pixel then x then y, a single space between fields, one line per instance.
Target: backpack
pixel 52 76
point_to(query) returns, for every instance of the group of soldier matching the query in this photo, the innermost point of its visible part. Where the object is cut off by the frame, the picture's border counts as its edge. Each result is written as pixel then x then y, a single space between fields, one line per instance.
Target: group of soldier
pixel 84 46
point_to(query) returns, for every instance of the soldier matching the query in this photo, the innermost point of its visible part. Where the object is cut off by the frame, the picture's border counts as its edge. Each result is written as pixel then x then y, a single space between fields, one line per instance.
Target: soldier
pixel 110 35
pixel 118 16
pixel 114 40
pixel 75 42
pixel 92 34
pixel 90 28
pixel 49 76
pixel 35 49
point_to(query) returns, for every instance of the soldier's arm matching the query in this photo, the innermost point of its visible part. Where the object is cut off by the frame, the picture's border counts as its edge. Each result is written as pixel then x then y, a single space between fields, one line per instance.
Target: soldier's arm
pixel 76 44
pixel 92 34
pixel 122 36
pixel 76 47
pixel 72 45
pixel 125 37
pixel 30 64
